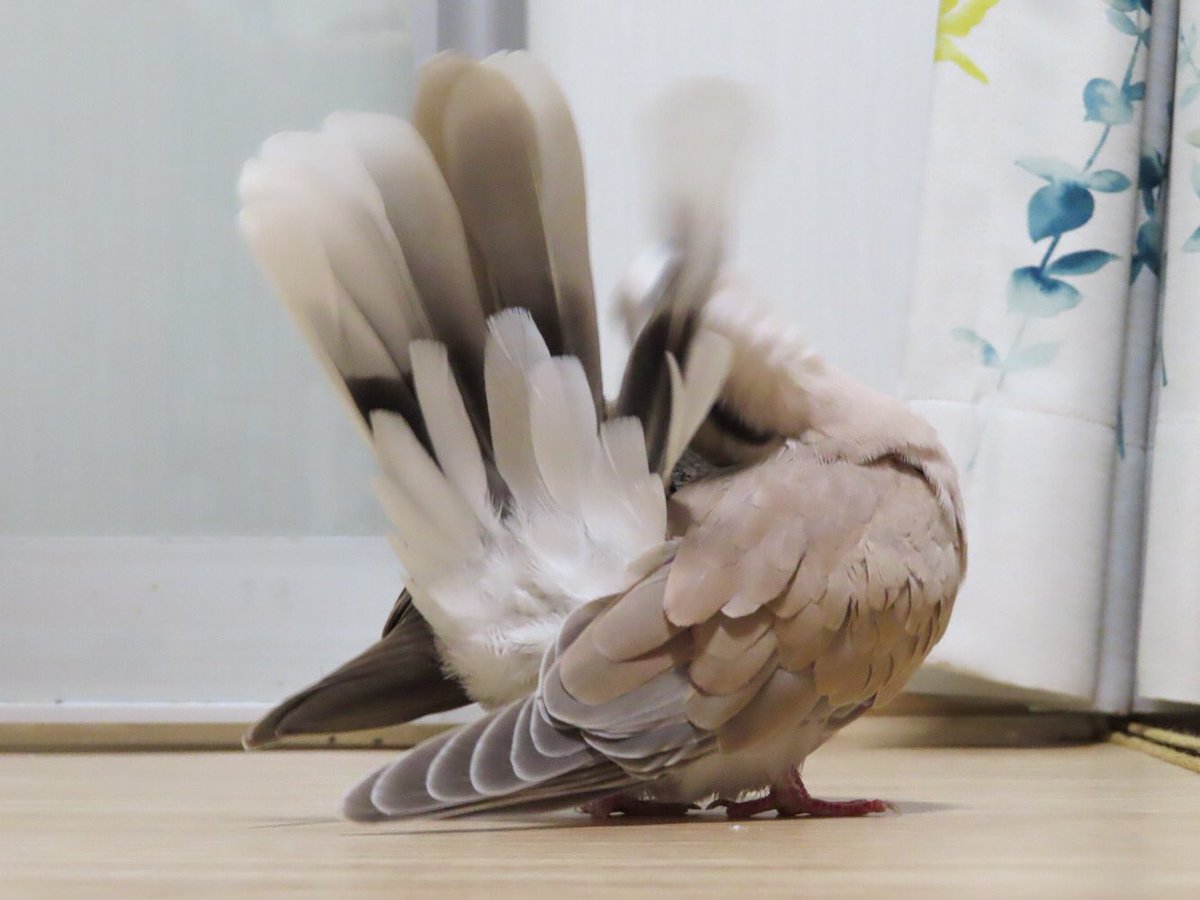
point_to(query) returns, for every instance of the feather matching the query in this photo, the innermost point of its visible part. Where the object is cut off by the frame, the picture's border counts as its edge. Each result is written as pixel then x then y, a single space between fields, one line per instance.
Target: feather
pixel 328 161
pixel 423 546
pixel 345 345
pixel 450 429
pixel 448 777
pixel 592 679
pixel 439 75
pixel 625 446
pixel 490 167
pixel 338 177
pixel 357 805
pixel 708 361
pixel 369 268
pixel 558 166
pixel 698 136
pixel 513 349
pixel 563 426
pixel 715 674
pixel 411 470
pixel 420 210
pixel 397 679
pixel 549 739
pixel 491 769
pixel 782 702
pixel 402 785
pixel 635 624
pixel 711 711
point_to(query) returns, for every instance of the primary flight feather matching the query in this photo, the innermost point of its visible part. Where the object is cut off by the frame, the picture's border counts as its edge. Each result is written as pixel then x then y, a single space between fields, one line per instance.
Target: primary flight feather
pixel 663 601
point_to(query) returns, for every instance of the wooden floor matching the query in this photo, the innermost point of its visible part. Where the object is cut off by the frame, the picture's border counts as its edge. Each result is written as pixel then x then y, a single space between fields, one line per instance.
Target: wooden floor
pixel 1077 821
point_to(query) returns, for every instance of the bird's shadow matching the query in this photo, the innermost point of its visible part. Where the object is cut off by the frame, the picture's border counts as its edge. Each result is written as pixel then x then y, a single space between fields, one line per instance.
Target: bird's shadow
pixel 700 818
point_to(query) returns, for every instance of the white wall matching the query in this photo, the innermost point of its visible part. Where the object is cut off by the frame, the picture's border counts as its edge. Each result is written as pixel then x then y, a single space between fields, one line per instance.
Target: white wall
pixel 156 405
pixel 830 215
pixel 149 382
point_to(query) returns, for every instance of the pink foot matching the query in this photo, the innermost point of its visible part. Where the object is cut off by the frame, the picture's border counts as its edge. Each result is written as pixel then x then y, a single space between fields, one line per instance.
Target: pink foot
pixel 793 799
pixel 630 806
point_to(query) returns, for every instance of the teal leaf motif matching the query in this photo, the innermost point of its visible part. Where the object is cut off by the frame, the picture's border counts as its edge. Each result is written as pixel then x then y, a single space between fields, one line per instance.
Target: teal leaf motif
pixel 1033 293
pixel 1110 181
pixel 1050 169
pixel 1135 91
pixel 1083 262
pixel 1105 103
pixel 1032 357
pixel 1190 93
pixel 1192 244
pixel 1151 168
pixel 1122 5
pixel 1059 207
pixel 1122 22
pixel 1149 248
pixel 987 352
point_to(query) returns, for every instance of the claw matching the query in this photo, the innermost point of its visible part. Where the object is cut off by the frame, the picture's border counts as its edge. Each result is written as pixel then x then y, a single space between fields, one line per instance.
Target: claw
pixel 792 799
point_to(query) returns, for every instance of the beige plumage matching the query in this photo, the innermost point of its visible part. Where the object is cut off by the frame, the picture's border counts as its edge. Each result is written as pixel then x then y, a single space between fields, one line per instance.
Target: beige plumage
pixel 671 600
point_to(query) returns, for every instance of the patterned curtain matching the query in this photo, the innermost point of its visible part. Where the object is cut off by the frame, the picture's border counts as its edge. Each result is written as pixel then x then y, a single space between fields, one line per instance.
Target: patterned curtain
pixel 1035 345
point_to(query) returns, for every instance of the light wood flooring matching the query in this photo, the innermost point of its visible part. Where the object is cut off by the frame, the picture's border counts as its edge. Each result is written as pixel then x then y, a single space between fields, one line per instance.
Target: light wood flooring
pixel 1070 821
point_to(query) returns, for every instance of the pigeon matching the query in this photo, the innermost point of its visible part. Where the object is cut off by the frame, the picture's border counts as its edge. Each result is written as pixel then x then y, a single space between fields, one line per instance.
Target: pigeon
pixel 663 601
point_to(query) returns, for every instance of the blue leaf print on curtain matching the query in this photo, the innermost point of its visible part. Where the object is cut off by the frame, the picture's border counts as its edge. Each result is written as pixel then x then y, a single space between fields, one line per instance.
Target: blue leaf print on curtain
pixel 1066 203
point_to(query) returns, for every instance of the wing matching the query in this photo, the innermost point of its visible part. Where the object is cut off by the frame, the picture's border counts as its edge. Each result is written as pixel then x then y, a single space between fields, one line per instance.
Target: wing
pixel 847 571
pixel 802 592
pixel 555 748
pixel 440 271
pixel 396 679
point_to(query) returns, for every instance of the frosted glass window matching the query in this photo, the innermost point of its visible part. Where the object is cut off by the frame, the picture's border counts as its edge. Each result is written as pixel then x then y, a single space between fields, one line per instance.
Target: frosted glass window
pixel 149 382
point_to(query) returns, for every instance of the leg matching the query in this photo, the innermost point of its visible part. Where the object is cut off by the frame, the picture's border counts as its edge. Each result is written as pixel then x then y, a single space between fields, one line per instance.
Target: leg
pixel 793 799
pixel 631 806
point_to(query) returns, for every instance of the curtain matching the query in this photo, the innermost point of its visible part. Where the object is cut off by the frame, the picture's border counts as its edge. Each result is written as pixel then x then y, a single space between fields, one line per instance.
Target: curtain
pixel 1035 345
pixel 1169 658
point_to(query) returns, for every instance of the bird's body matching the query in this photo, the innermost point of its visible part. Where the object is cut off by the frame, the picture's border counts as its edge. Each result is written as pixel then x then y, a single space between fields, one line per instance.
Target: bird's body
pixel 669 598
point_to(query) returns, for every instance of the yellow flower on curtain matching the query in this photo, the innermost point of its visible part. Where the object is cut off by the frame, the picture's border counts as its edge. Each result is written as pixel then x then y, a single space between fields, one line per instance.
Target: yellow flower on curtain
pixel 956 19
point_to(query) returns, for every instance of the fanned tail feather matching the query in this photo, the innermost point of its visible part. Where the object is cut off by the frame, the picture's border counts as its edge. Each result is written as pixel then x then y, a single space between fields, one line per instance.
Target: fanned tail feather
pixel 698 138
pixel 440 271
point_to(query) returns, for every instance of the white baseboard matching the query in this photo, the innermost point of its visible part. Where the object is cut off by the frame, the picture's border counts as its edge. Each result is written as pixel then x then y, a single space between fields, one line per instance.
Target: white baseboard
pixel 131 713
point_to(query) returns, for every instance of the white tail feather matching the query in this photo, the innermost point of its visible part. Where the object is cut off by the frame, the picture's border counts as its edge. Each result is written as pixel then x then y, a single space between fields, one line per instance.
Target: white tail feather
pixel 292 255
pixel 390 243
pixel 370 268
pixel 333 161
pixel 514 347
pixel 423 549
pixel 625 445
pixel 699 133
pixel 410 468
pixel 421 211
pixel 450 429
pixel 563 423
